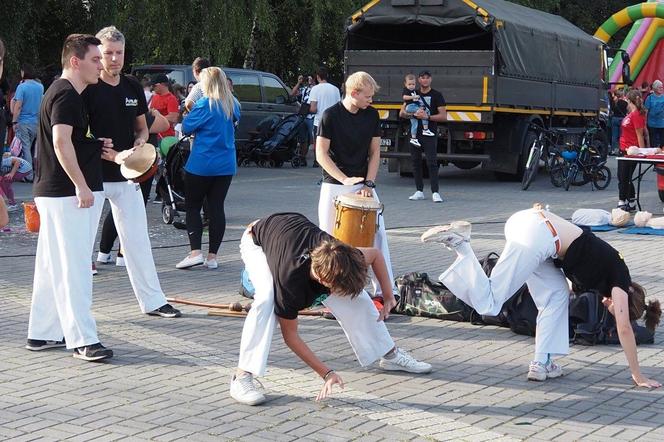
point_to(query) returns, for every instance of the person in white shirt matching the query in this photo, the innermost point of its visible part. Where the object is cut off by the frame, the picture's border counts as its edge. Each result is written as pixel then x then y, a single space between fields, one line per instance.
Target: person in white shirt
pixel 321 97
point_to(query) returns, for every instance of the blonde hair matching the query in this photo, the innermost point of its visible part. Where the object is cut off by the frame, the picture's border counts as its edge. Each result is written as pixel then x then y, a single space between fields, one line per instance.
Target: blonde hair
pixel 409 77
pixel 360 81
pixel 215 86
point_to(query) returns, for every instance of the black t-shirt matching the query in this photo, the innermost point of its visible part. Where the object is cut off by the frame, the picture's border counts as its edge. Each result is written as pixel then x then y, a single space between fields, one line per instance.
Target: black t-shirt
pixel 432 101
pixel 620 109
pixel 287 239
pixel 113 111
pixel 592 264
pixel 152 138
pixel 407 91
pixel 350 137
pixel 63 105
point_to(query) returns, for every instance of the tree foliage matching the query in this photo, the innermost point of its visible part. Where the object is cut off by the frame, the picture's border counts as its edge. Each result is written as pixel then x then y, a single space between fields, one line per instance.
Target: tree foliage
pixel 292 36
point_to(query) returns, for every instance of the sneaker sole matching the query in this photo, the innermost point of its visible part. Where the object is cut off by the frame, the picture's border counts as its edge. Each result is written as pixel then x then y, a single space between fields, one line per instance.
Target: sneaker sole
pixel 189 266
pixel 536 379
pixel 90 358
pixel 44 347
pixel 397 368
pixel 164 315
pixel 556 376
pixel 255 402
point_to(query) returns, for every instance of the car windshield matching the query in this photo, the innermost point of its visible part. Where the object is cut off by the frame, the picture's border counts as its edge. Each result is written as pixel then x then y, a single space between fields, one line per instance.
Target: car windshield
pixel 176 76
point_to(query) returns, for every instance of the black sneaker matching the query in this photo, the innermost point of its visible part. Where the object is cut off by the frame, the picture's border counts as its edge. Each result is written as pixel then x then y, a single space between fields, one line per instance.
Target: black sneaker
pixel 166 311
pixel 94 352
pixel 38 344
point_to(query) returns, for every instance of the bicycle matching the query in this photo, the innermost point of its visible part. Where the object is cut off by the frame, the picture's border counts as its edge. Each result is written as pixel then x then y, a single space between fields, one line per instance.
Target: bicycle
pixel 588 162
pixel 544 147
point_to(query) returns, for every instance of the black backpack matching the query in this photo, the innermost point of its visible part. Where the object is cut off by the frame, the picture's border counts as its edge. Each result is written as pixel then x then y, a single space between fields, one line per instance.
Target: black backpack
pixel 592 324
pixel 419 296
pixel 501 319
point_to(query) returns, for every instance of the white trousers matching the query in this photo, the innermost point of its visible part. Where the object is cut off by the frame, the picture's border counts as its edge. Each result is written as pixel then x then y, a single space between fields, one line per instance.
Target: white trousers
pixel 369 338
pixel 527 258
pixel 62 288
pixel 327 215
pixel 131 223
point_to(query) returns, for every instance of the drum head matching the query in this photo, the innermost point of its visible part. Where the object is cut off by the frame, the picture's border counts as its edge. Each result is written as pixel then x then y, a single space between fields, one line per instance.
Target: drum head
pixel 358 201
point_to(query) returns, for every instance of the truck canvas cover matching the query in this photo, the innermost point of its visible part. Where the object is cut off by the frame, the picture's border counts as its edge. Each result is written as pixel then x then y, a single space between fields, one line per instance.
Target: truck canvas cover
pixel 529 44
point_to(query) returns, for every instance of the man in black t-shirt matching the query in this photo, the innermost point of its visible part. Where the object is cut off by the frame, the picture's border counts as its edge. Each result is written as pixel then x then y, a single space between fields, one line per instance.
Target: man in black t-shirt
pixel 117 109
pixel 435 104
pixel 291 262
pixel 68 193
pixel 348 150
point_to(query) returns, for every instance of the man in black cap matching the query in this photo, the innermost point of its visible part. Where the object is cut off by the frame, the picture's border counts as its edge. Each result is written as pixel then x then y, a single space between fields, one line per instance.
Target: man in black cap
pixel 165 102
pixel 435 112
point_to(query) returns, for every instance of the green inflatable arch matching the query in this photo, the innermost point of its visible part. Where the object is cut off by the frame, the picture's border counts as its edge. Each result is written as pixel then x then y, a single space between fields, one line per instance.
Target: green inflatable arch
pixel 626 17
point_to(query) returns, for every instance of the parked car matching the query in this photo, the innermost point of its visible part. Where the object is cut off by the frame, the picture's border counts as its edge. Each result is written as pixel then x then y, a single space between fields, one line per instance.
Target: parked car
pixel 261 94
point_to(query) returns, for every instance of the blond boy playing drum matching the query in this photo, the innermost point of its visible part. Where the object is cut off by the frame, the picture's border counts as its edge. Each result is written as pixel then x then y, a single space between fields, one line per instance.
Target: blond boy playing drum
pixel 291 262
pixel 348 151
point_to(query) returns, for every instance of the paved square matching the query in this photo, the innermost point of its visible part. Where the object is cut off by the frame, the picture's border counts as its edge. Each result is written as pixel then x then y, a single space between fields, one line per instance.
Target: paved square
pixel 169 379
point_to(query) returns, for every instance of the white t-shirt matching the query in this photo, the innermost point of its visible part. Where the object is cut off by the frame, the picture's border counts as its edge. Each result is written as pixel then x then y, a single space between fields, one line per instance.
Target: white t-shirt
pixel 195 94
pixel 325 95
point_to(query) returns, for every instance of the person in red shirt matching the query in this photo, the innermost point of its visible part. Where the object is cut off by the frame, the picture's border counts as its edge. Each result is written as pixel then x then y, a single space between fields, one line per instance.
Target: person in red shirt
pixel 632 133
pixel 165 102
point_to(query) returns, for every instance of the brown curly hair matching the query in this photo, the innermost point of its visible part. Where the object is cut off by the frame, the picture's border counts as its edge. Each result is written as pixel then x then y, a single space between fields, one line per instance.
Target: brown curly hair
pixel 637 307
pixel 341 267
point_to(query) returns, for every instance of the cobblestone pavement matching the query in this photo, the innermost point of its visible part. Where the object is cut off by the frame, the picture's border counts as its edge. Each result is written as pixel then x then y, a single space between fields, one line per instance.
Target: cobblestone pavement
pixel 169 379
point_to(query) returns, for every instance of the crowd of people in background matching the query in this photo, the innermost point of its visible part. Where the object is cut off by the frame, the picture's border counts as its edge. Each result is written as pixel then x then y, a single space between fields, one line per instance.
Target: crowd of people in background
pixel 637 119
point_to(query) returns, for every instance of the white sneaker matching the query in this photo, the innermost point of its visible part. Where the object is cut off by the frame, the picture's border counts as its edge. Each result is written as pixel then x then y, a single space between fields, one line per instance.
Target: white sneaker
pixel 104 258
pixel 212 264
pixel 428 133
pixel 540 372
pixel 415 142
pixel 120 262
pixel 417 196
pixel 436 197
pixel 402 361
pixel 245 392
pixel 190 261
pixel 451 235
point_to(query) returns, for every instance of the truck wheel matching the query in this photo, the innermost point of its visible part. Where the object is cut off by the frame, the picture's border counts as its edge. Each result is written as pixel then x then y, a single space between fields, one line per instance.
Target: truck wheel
pixel 467 165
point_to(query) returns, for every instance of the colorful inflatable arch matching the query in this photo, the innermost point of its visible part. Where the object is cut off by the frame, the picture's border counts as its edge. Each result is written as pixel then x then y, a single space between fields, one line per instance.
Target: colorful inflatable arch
pixel 644 43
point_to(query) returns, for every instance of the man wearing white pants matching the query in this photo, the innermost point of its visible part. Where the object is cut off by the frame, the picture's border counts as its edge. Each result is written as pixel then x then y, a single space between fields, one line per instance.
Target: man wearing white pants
pixel 291 262
pixel 117 110
pixel 68 195
pixel 348 150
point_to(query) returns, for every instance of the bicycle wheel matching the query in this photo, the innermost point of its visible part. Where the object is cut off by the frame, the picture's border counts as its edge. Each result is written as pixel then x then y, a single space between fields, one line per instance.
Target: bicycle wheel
pixel 571 175
pixel 602 177
pixel 532 164
pixel 557 172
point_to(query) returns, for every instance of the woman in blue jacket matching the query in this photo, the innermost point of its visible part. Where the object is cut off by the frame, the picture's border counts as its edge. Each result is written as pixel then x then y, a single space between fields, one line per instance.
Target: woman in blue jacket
pixel 211 164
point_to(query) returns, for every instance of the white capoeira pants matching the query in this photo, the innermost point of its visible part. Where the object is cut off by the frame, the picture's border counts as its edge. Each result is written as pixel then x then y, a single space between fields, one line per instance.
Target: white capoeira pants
pixel 369 338
pixel 62 289
pixel 131 223
pixel 527 258
pixel 327 215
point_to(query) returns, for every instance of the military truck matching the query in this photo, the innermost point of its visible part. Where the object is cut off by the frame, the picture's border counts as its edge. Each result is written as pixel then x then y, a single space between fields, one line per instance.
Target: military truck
pixel 500 67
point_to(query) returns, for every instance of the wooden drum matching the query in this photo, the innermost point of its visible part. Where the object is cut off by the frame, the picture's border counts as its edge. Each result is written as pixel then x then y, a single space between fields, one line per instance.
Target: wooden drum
pixel 356 219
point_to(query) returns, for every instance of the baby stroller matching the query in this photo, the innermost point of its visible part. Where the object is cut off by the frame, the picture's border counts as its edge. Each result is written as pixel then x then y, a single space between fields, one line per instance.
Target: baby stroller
pixel 277 145
pixel 170 182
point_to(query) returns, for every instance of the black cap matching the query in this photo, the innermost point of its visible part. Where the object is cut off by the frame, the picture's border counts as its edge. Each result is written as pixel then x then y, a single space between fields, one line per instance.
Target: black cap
pixel 159 78
pixel 424 73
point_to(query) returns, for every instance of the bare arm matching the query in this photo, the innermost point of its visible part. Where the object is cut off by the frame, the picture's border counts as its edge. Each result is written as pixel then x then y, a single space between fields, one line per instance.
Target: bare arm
pixel 640 135
pixel 313 108
pixel 173 117
pixel 374 258
pixel 16 110
pixel 4 215
pixel 141 132
pixel 323 158
pixel 626 335
pixel 374 163
pixel 403 113
pixel 15 165
pixel 160 123
pixel 440 117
